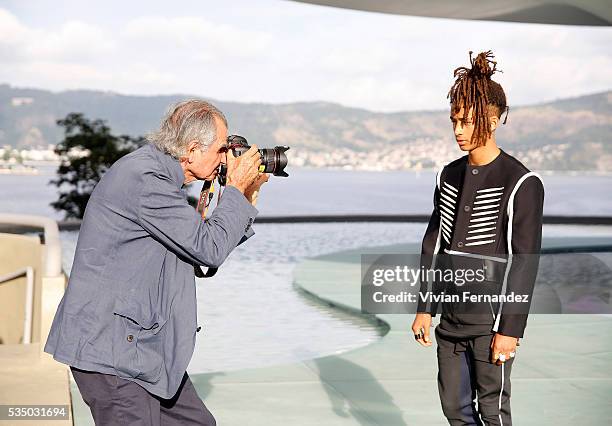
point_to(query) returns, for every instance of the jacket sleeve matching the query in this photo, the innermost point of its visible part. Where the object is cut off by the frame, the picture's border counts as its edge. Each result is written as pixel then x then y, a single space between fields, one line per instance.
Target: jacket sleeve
pixel 526 240
pixel 167 216
pixel 248 234
pixel 428 249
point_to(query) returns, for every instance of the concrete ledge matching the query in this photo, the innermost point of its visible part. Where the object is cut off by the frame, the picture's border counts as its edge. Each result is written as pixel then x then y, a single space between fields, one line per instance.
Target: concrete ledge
pixel 29 378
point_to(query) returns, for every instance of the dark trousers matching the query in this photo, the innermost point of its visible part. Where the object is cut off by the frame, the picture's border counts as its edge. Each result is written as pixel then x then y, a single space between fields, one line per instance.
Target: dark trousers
pixel 473 390
pixel 116 401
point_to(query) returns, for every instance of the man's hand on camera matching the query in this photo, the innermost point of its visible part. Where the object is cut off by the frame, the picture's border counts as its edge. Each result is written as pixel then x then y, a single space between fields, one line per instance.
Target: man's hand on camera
pixel 242 171
pixel 252 191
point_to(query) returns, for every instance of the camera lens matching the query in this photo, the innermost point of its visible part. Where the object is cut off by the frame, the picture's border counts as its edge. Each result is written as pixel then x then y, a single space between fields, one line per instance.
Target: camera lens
pixel 274 160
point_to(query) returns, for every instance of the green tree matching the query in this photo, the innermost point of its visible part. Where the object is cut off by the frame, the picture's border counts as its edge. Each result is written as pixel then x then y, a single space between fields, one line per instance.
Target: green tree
pixel 87 151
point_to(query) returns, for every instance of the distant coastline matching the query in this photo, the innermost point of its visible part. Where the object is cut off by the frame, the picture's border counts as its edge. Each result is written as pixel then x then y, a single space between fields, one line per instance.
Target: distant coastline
pixel 48 168
pixel 18 169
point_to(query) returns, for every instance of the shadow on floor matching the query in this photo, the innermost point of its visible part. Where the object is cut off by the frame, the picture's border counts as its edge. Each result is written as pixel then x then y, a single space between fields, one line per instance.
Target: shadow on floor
pixel 369 402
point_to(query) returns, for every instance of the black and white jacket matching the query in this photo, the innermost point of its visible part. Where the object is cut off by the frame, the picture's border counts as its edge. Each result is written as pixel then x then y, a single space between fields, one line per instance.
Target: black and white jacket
pixel 493 212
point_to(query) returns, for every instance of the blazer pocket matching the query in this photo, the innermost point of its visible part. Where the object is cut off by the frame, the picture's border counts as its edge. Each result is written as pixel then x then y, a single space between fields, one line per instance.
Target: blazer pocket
pixel 137 343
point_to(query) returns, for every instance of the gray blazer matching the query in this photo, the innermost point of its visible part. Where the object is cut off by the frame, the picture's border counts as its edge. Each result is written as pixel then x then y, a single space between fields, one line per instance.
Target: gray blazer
pixel 130 305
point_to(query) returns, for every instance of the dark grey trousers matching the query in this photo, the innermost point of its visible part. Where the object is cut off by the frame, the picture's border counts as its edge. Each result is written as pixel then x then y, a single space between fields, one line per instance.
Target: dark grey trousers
pixel 116 401
pixel 473 390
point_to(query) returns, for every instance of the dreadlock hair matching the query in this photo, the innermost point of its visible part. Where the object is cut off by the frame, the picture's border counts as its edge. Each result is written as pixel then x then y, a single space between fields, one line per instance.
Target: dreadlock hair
pixel 473 87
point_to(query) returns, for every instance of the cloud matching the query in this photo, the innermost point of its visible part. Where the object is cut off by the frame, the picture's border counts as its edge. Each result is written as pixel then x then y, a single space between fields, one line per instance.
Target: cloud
pixel 74 41
pixel 195 34
pixel 11 30
pixel 150 55
pixel 284 51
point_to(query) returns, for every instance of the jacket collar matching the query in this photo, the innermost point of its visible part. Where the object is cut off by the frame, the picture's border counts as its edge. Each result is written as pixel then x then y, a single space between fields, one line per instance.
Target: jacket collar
pixel 171 164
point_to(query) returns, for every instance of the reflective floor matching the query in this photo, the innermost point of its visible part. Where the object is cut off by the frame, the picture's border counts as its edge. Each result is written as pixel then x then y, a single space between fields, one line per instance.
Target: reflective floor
pixel 250 313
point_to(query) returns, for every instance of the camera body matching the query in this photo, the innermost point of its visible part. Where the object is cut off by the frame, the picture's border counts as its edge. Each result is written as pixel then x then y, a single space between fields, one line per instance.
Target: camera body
pixel 273 160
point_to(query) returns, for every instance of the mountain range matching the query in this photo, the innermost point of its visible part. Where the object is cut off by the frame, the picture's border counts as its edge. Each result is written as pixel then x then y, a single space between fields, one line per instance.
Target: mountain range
pixel 564 134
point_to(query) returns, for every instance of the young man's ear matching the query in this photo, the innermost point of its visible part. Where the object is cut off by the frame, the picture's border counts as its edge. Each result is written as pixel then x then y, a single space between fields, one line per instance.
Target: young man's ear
pixel 493 122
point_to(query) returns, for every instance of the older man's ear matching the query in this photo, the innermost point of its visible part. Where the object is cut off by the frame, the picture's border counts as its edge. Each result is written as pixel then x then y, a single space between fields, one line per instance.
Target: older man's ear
pixel 191 148
pixel 186 161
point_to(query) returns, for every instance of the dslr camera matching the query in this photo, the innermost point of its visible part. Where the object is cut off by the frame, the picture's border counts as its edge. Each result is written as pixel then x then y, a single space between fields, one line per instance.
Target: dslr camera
pixel 273 160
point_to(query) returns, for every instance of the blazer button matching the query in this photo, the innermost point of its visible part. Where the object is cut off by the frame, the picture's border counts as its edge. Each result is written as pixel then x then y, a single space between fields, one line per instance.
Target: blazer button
pixel 466 208
pixel 460 244
pixel 130 338
pixel 474 171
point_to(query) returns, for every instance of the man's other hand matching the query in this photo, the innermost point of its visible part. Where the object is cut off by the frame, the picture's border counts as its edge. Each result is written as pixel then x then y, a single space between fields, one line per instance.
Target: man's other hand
pixel 420 328
pixel 252 192
pixel 242 171
pixel 505 345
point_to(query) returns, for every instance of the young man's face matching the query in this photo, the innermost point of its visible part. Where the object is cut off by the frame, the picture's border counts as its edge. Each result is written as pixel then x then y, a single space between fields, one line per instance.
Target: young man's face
pixel 463 129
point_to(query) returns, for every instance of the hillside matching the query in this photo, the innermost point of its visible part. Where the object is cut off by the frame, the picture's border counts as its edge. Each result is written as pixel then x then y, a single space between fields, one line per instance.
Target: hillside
pixel 563 134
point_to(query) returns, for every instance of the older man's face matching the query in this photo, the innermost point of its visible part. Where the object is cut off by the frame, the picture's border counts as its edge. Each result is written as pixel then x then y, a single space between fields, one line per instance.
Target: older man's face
pixel 206 163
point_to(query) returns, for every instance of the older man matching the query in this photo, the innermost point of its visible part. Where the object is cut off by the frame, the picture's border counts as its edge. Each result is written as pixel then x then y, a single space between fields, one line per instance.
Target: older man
pixel 128 320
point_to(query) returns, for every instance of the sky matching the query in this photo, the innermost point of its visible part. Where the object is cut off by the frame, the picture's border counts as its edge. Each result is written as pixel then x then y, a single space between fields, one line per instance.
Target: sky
pixel 279 51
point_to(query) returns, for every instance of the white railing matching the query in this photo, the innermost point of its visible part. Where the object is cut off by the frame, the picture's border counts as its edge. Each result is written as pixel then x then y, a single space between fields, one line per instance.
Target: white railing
pixel 28 271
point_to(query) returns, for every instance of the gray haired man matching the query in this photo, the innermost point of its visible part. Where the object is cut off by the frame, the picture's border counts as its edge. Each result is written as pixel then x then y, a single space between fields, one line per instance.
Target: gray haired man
pixel 128 320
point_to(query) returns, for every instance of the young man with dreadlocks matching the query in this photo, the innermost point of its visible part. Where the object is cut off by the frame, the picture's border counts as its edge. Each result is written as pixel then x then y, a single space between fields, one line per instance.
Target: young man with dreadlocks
pixel 487 212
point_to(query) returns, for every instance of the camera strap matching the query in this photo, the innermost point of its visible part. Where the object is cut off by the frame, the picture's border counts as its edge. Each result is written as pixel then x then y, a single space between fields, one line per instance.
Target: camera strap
pixel 206 196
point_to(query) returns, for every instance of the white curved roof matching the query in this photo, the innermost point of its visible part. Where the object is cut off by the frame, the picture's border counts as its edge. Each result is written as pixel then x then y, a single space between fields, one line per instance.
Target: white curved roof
pixel 565 12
